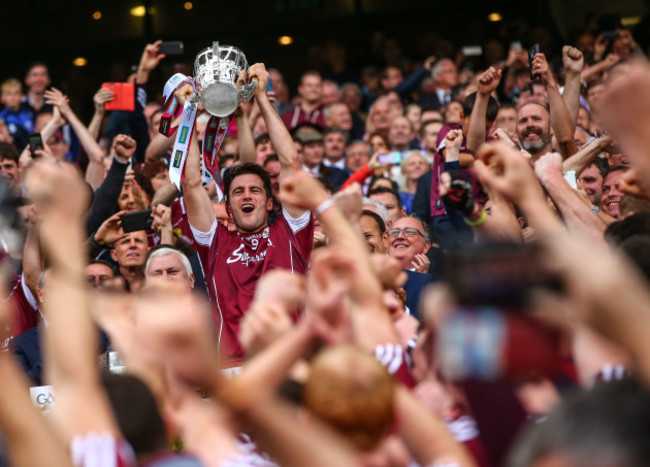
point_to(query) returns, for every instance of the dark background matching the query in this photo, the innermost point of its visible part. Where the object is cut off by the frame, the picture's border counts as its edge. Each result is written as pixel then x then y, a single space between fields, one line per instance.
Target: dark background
pixel 57 32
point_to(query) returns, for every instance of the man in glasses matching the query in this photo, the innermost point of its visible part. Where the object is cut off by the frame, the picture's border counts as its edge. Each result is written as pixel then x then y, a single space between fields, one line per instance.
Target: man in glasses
pixel 409 243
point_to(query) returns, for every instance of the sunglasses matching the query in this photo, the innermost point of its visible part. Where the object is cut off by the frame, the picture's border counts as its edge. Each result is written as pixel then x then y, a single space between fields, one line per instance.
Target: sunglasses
pixel 408 232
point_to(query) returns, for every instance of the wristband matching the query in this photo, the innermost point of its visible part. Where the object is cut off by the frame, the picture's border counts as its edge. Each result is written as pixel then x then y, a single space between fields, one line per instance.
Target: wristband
pixel 324 206
pixel 480 221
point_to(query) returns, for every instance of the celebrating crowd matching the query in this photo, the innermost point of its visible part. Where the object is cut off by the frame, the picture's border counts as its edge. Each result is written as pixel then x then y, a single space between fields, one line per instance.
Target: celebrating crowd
pixel 431 266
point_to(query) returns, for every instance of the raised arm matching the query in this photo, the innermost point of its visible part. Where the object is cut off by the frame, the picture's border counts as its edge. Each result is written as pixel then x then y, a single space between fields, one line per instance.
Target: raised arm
pixel 578 216
pixel 102 96
pixel 561 123
pixel 573 64
pixel 487 82
pixel 70 342
pixel 585 156
pixel 197 201
pixel 95 171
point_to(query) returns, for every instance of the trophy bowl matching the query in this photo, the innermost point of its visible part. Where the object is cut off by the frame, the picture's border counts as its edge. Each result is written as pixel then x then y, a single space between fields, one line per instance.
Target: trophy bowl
pixel 216 70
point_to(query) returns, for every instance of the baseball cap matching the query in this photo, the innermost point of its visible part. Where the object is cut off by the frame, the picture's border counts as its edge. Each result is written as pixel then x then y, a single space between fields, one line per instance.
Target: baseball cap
pixel 310 137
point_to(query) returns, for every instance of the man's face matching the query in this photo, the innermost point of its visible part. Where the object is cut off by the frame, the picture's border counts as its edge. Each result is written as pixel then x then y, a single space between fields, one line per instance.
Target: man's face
pixel 394 102
pixel 262 150
pixel 454 113
pixel 97 275
pixel 507 120
pixel 580 137
pixel 619 158
pixel 388 200
pixel 59 147
pixel 430 136
pixel 594 96
pixel 131 250
pixel 9 169
pixel 400 133
pixel 248 203
pixel 169 268
pixel 406 244
pixel 448 77
pixel 37 79
pixel 592 182
pixel 612 194
pixel 533 128
pixel 351 99
pixel 376 241
pixel 330 93
pixel 273 169
pixel 380 116
pixel 11 97
pixel 313 153
pixel 311 89
pixel 392 79
pixel 340 117
pixel 334 146
pixel 358 156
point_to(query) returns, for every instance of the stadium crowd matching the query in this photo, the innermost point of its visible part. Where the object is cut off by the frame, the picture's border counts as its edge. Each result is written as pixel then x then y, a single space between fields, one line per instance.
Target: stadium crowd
pixel 421 264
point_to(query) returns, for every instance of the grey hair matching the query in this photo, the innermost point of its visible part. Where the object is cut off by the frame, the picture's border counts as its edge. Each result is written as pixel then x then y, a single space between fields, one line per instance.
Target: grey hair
pixel 381 209
pixel 437 68
pixel 356 88
pixel 168 251
pixel 426 234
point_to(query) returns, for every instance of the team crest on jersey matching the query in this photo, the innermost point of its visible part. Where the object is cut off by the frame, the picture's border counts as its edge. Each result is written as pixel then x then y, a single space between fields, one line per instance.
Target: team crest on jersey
pixel 265 234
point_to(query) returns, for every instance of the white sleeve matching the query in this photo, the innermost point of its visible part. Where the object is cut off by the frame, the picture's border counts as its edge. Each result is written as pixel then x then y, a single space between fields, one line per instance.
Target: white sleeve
pixel 204 238
pixel 299 223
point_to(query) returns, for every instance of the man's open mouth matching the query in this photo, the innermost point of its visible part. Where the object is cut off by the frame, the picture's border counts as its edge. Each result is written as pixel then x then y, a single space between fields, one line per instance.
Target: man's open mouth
pixel 247 208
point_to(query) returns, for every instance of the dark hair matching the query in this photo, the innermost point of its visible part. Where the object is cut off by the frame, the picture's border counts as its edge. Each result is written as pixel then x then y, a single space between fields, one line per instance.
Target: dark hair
pixel 602 166
pixel 618 168
pixel 105 263
pixel 243 169
pixel 637 249
pixel 334 129
pixel 270 158
pixel 262 139
pixel 150 170
pixel 376 178
pixel 9 151
pixel 136 412
pixel 383 189
pixel 492 107
pixel 636 224
pixel 377 218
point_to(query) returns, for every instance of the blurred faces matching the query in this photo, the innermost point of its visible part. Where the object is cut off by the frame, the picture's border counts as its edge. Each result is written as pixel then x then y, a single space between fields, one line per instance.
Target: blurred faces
pixel 406 240
pixel 594 96
pixel 534 129
pixel 331 93
pixel 98 275
pixel 430 135
pixel 160 179
pixel 169 268
pixel 378 145
pixel 131 250
pixel 262 150
pixel 58 146
pixel 507 120
pixel 273 169
pixel 414 166
pixel 311 89
pixel 447 75
pixel 400 133
pixel 351 98
pixel 313 153
pixel 413 113
pixel 592 182
pixel 584 119
pixel 9 169
pixel 376 241
pixel 37 79
pixel 389 201
pixel 454 113
pixel 358 154
pixel 391 78
pixel 339 116
pixel 11 96
pixel 611 193
pixel 334 146
pixel 126 200
pixel 380 115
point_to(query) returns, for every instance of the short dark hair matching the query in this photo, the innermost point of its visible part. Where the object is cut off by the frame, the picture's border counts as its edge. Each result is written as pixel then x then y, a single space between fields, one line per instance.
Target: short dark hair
pixel 9 151
pixel 137 414
pixel 492 107
pixel 636 224
pixel 270 158
pixel 377 218
pixel 601 164
pixel 262 139
pixel 383 189
pixel 105 263
pixel 243 169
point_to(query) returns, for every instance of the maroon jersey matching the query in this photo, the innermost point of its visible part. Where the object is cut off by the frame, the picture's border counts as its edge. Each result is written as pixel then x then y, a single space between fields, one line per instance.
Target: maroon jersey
pixel 298 116
pixel 24 313
pixel 234 262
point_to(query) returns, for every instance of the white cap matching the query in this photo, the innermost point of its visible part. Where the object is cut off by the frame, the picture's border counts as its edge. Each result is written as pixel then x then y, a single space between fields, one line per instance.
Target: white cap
pixel 173 83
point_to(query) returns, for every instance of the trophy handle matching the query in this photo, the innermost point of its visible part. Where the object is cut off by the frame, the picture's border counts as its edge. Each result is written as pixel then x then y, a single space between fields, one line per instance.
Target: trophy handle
pixel 246 92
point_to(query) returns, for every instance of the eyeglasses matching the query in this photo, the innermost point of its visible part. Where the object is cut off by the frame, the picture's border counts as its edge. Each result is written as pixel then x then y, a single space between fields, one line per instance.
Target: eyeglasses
pixel 408 232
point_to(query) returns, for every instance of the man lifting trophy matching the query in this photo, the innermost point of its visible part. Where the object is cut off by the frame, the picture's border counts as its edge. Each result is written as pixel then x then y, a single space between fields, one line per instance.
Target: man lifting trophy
pixel 220 84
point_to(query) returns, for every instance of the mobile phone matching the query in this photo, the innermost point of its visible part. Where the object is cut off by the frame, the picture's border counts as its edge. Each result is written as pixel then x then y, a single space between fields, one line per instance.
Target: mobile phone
pixel 172 48
pixel 35 143
pixel 123 96
pixel 138 220
pixel 472 51
pixel 269 88
pixel 394 158
pixel 610 35
pixel 534 50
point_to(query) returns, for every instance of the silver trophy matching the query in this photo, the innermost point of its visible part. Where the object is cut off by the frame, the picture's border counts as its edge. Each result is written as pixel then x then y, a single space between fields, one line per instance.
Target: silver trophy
pixel 216 70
